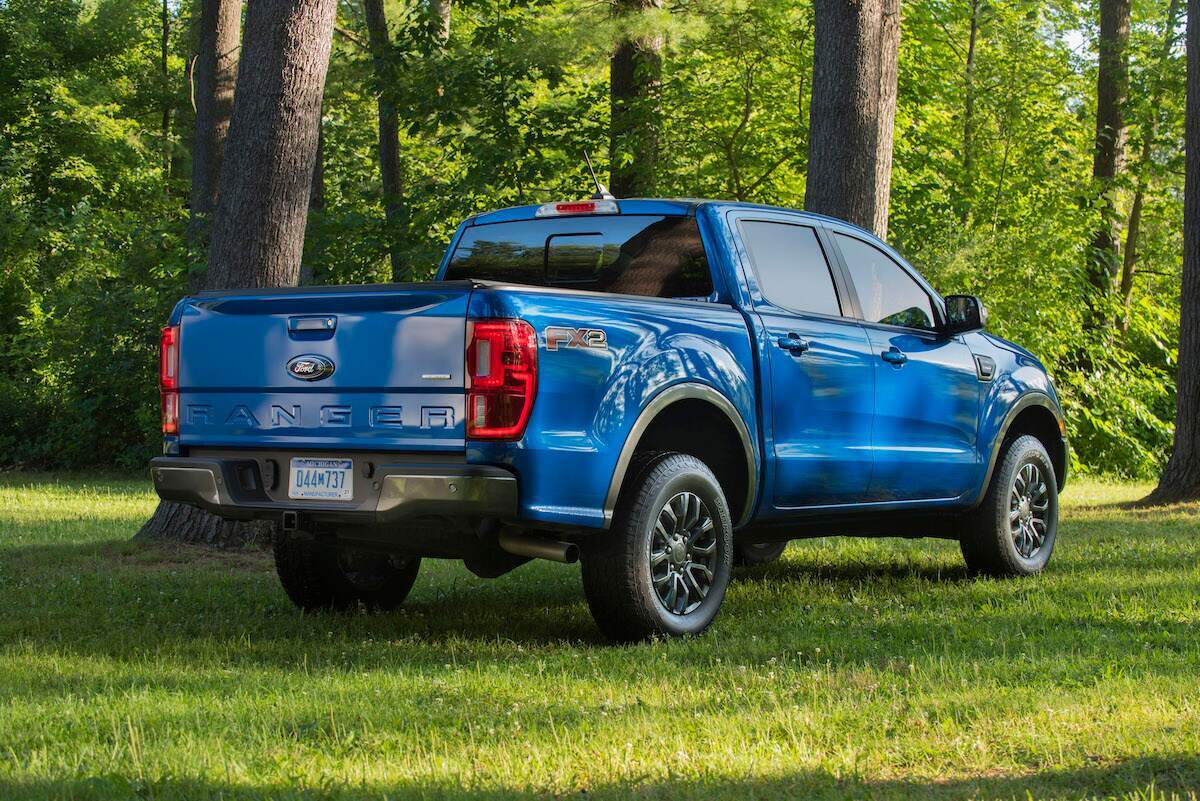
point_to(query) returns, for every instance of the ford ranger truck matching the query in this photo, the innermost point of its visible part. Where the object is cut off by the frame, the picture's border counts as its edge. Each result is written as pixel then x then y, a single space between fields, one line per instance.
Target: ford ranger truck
pixel 660 389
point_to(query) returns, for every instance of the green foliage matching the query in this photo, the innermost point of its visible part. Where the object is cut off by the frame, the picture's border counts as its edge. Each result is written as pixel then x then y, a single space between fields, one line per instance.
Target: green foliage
pixel 91 238
pixel 990 185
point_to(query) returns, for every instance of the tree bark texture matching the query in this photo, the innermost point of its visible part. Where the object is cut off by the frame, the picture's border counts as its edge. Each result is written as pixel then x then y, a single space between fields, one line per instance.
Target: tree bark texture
pixel 181 523
pixel 389 135
pixel 635 78
pixel 968 125
pixel 214 74
pixel 165 42
pixel 1112 88
pixel 262 205
pixel 440 9
pixel 1181 479
pixel 316 199
pixel 853 110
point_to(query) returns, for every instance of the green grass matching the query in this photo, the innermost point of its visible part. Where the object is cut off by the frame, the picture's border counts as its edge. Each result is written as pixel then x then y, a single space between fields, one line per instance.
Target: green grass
pixel 852 669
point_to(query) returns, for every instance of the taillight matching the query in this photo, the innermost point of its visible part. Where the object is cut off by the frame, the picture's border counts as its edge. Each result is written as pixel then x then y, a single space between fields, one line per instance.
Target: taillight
pixel 168 378
pixel 501 378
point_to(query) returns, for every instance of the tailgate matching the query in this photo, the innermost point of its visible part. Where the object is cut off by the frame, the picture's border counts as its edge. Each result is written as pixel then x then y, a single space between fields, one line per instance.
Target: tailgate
pixel 348 368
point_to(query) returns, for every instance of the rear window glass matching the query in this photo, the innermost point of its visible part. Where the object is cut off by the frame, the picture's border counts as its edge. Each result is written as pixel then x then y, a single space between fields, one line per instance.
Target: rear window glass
pixel 627 254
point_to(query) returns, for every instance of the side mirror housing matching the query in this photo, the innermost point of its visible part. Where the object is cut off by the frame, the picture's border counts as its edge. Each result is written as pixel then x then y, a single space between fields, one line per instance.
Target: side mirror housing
pixel 964 313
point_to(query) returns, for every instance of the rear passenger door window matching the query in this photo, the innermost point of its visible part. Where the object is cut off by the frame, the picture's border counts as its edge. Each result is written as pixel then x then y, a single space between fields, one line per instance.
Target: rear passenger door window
pixel 790 266
pixel 886 292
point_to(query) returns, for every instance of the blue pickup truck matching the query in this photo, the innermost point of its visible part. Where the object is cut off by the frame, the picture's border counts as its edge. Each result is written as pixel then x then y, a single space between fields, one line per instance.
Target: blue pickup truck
pixel 661 389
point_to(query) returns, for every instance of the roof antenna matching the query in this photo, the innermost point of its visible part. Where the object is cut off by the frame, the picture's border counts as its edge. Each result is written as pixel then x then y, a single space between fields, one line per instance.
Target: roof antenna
pixel 601 192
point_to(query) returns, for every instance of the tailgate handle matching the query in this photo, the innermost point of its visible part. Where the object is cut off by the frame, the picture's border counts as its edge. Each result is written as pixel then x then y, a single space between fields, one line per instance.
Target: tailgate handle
pixel 325 323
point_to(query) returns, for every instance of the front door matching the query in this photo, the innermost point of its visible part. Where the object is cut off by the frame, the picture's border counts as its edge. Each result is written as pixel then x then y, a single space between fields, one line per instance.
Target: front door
pixel 927 394
pixel 819 365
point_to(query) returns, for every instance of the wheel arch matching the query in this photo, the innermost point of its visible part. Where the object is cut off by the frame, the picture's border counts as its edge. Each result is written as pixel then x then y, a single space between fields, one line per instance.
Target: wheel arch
pixel 1037 415
pixel 696 408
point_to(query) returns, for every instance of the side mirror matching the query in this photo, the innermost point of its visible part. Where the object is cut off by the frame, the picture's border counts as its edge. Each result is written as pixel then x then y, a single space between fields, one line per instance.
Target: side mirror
pixel 964 313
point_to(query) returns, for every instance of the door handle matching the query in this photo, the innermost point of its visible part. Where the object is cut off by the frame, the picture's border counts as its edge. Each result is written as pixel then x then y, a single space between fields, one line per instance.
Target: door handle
pixel 794 343
pixel 894 356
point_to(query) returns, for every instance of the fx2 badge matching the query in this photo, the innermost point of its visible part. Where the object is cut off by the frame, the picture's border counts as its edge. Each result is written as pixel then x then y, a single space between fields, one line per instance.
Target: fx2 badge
pixel 563 337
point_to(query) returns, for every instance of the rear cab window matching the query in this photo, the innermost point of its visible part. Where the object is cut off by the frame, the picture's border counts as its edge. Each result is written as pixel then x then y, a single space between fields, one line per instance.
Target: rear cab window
pixel 631 254
pixel 791 267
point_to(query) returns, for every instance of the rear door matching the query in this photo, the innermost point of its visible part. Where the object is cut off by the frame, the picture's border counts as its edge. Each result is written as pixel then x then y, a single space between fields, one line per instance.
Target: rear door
pixel 926 388
pixel 326 368
pixel 817 362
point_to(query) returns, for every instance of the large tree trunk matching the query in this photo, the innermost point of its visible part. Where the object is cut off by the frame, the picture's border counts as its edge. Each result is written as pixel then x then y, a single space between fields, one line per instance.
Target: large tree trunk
pixel 214 74
pixel 1133 227
pixel 635 76
pixel 968 123
pixel 178 522
pixel 316 198
pixel 389 135
pixel 1181 479
pixel 166 111
pixel 441 14
pixel 1112 86
pixel 853 110
pixel 262 205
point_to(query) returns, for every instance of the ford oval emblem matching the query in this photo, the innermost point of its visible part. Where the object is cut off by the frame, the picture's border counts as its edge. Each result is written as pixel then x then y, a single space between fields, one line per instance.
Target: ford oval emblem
pixel 310 367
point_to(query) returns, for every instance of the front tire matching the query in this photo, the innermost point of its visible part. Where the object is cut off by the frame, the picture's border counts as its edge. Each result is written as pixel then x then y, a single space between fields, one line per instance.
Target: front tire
pixel 1013 531
pixel 317 576
pixel 663 568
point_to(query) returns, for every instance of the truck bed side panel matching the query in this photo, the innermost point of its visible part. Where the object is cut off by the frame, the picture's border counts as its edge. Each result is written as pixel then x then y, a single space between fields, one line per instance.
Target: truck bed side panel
pixel 589 398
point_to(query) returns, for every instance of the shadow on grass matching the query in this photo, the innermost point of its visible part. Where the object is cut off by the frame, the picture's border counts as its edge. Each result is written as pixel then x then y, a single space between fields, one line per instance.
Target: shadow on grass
pixel 1142 778
pixel 123 600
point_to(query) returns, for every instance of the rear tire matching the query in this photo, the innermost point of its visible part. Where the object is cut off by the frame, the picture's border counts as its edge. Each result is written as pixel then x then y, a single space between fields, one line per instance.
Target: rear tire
pixel 1013 531
pixel 317 576
pixel 663 568
pixel 748 554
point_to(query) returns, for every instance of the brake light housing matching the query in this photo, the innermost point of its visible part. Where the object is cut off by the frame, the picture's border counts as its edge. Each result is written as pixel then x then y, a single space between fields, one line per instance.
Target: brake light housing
pixel 501 378
pixel 168 378
pixel 562 209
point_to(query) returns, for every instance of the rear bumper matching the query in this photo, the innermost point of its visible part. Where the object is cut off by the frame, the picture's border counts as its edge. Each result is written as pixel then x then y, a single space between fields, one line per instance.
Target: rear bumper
pixel 247 487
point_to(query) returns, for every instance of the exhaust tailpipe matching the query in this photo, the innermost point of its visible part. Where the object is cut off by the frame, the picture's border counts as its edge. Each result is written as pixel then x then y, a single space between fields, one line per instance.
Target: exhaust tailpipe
pixel 520 544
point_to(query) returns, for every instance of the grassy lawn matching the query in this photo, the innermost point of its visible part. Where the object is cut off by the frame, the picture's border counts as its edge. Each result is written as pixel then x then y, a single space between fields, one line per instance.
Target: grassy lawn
pixel 852 669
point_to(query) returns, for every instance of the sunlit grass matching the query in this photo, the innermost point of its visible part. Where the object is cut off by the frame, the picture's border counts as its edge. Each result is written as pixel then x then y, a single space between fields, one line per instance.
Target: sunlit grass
pixel 853 668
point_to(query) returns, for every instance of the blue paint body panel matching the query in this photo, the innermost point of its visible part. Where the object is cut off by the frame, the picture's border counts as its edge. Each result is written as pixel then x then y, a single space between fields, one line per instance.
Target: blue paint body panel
pixel 836 428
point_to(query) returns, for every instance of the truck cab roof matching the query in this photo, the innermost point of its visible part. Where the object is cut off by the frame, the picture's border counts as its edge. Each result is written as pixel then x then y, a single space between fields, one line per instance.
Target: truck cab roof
pixel 666 207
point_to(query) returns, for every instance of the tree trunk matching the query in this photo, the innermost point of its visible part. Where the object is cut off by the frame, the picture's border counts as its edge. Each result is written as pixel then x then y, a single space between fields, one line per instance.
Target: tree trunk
pixel 1181 478
pixel 1112 86
pixel 316 198
pixel 853 110
pixel 181 523
pixel 214 74
pixel 1134 226
pixel 635 77
pixel 389 135
pixel 166 111
pixel 262 205
pixel 968 126
pixel 441 13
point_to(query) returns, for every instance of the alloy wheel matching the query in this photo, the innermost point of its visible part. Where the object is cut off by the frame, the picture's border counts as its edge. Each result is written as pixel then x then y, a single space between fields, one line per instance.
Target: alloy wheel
pixel 683 553
pixel 1028 511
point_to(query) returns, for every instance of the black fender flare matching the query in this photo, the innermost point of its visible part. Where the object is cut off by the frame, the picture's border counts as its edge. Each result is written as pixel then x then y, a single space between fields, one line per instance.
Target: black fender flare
pixel 1029 399
pixel 670 395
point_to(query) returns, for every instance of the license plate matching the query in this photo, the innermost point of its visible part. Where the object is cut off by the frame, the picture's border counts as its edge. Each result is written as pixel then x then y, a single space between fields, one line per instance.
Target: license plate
pixel 322 479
